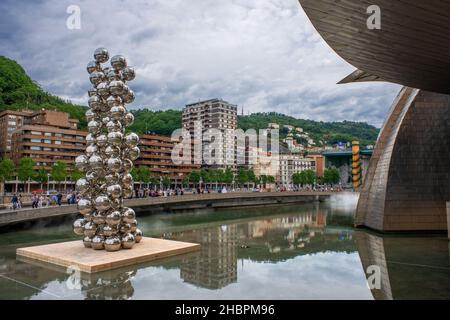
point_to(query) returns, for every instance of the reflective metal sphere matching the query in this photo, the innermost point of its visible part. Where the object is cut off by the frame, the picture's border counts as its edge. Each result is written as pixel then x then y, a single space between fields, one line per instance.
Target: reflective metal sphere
pixel 78 227
pixel 127 165
pixel 96 77
pixel 114 101
pixel 114 191
pixel 112 126
pixel 112 75
pixel 127 180
pixel 90 229
pixel 118 112
pixel 128 119
pixel 114 164
pixel 113 218
pixel 129 97
pixel 116 87
pixel 112 178
pixel 82 185
pixel 128 74
pixel 87 241
pixel 128 215
pixel 92 176
pixel 116 204
pixel 112 151
pixel 101 140
pixel 132 139
pixel 115 138
pixel 98 218
pixel 95 102
pixel 101 55
pixel 113 243
pixel 133 226
pixel 90 139
pixel 109 231
pixel 84 206
pixel 124 228
pixel 91 150
pixel 138 235
pixel 94 126
pixel 128 241
pixel 95 162
pixel 102 203
pixel 103 89
pixel 91 67
pixel 92 92
pixel 81 163
pixel 98 242
pixel 134 153
pixel 118 62
pixel 127 192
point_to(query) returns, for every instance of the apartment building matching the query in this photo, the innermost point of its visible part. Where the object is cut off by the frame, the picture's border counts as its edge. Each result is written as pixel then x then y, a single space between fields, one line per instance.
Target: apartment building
pixel 156 153
pixel 47 137
pixel 199 119
pixel 10 121
pixel 291 163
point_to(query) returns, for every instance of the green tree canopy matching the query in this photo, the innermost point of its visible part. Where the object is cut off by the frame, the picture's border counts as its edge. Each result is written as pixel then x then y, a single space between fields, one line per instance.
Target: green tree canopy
pixel 26 169
pixel 59 171
pixel 7 168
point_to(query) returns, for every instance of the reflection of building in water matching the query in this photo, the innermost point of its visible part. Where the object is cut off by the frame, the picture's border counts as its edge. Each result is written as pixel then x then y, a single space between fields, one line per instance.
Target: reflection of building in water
pixel 215 266
pixel 296 231
pixel 411 267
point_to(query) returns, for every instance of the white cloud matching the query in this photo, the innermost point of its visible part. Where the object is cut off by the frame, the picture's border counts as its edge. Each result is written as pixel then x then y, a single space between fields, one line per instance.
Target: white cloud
pixel 263 54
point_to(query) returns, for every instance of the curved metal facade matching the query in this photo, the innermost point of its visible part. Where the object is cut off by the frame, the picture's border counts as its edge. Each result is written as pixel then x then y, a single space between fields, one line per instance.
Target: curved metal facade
pixel 412 47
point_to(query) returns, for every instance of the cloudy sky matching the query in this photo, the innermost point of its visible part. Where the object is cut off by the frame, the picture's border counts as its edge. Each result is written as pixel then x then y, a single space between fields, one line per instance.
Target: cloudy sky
pixel 261 54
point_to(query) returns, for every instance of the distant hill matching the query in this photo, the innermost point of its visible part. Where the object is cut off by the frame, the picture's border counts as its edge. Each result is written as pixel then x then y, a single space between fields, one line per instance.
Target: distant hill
pixel 19 91
pixel 328 132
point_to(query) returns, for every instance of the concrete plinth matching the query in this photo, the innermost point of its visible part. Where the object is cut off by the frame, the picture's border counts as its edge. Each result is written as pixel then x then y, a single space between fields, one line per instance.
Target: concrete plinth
pixel 73 254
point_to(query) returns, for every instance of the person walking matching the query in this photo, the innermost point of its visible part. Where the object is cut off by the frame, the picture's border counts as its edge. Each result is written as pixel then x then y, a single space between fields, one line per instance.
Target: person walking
pixel 59 198
pixel 14 201
pixel 19 201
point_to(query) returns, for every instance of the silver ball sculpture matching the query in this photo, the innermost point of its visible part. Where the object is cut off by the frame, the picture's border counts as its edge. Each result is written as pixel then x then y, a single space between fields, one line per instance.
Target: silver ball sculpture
pixel 106 224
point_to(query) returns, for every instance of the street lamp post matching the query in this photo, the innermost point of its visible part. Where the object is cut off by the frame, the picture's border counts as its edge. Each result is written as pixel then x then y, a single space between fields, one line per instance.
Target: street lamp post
pixel 48 183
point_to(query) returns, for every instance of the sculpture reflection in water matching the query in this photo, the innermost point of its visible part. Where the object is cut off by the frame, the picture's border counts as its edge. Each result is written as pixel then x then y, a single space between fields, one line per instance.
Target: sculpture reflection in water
pixel 114 285
pixel 106 223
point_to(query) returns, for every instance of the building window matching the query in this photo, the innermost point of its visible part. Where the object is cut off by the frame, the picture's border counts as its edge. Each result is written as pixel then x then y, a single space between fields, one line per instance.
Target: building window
pixel 35 148
pixel 57 142
pixel 48 134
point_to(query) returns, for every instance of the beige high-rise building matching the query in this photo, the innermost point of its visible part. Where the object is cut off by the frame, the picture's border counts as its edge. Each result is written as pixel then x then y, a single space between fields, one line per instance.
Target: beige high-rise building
pixel 200 119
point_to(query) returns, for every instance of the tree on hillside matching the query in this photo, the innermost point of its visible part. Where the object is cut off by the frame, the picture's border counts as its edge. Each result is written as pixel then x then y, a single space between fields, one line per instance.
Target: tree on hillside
pixel 26 171
pixel 7 168
pixel 59 172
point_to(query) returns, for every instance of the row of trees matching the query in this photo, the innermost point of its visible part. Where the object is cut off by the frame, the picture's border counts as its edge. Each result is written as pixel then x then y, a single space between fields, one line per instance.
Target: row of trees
pixel 26 172
pixel 308 177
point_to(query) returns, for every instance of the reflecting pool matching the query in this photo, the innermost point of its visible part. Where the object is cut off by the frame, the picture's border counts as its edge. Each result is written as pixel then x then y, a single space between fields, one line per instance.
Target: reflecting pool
pixel 306 251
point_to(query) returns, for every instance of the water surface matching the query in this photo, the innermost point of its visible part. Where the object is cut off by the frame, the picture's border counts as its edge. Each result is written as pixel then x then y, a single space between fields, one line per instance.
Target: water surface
pixel 307 251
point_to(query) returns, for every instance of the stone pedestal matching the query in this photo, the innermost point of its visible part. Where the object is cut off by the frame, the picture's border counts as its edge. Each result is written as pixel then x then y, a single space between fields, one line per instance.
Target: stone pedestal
pixel 73 254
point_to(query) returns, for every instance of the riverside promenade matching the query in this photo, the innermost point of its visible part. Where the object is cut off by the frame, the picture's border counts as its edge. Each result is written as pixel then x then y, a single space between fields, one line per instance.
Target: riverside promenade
pixel 185 202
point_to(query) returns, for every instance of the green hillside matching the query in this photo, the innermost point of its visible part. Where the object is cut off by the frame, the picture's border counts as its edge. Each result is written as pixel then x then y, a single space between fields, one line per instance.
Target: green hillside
pixel 18 91
pixel 329 132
